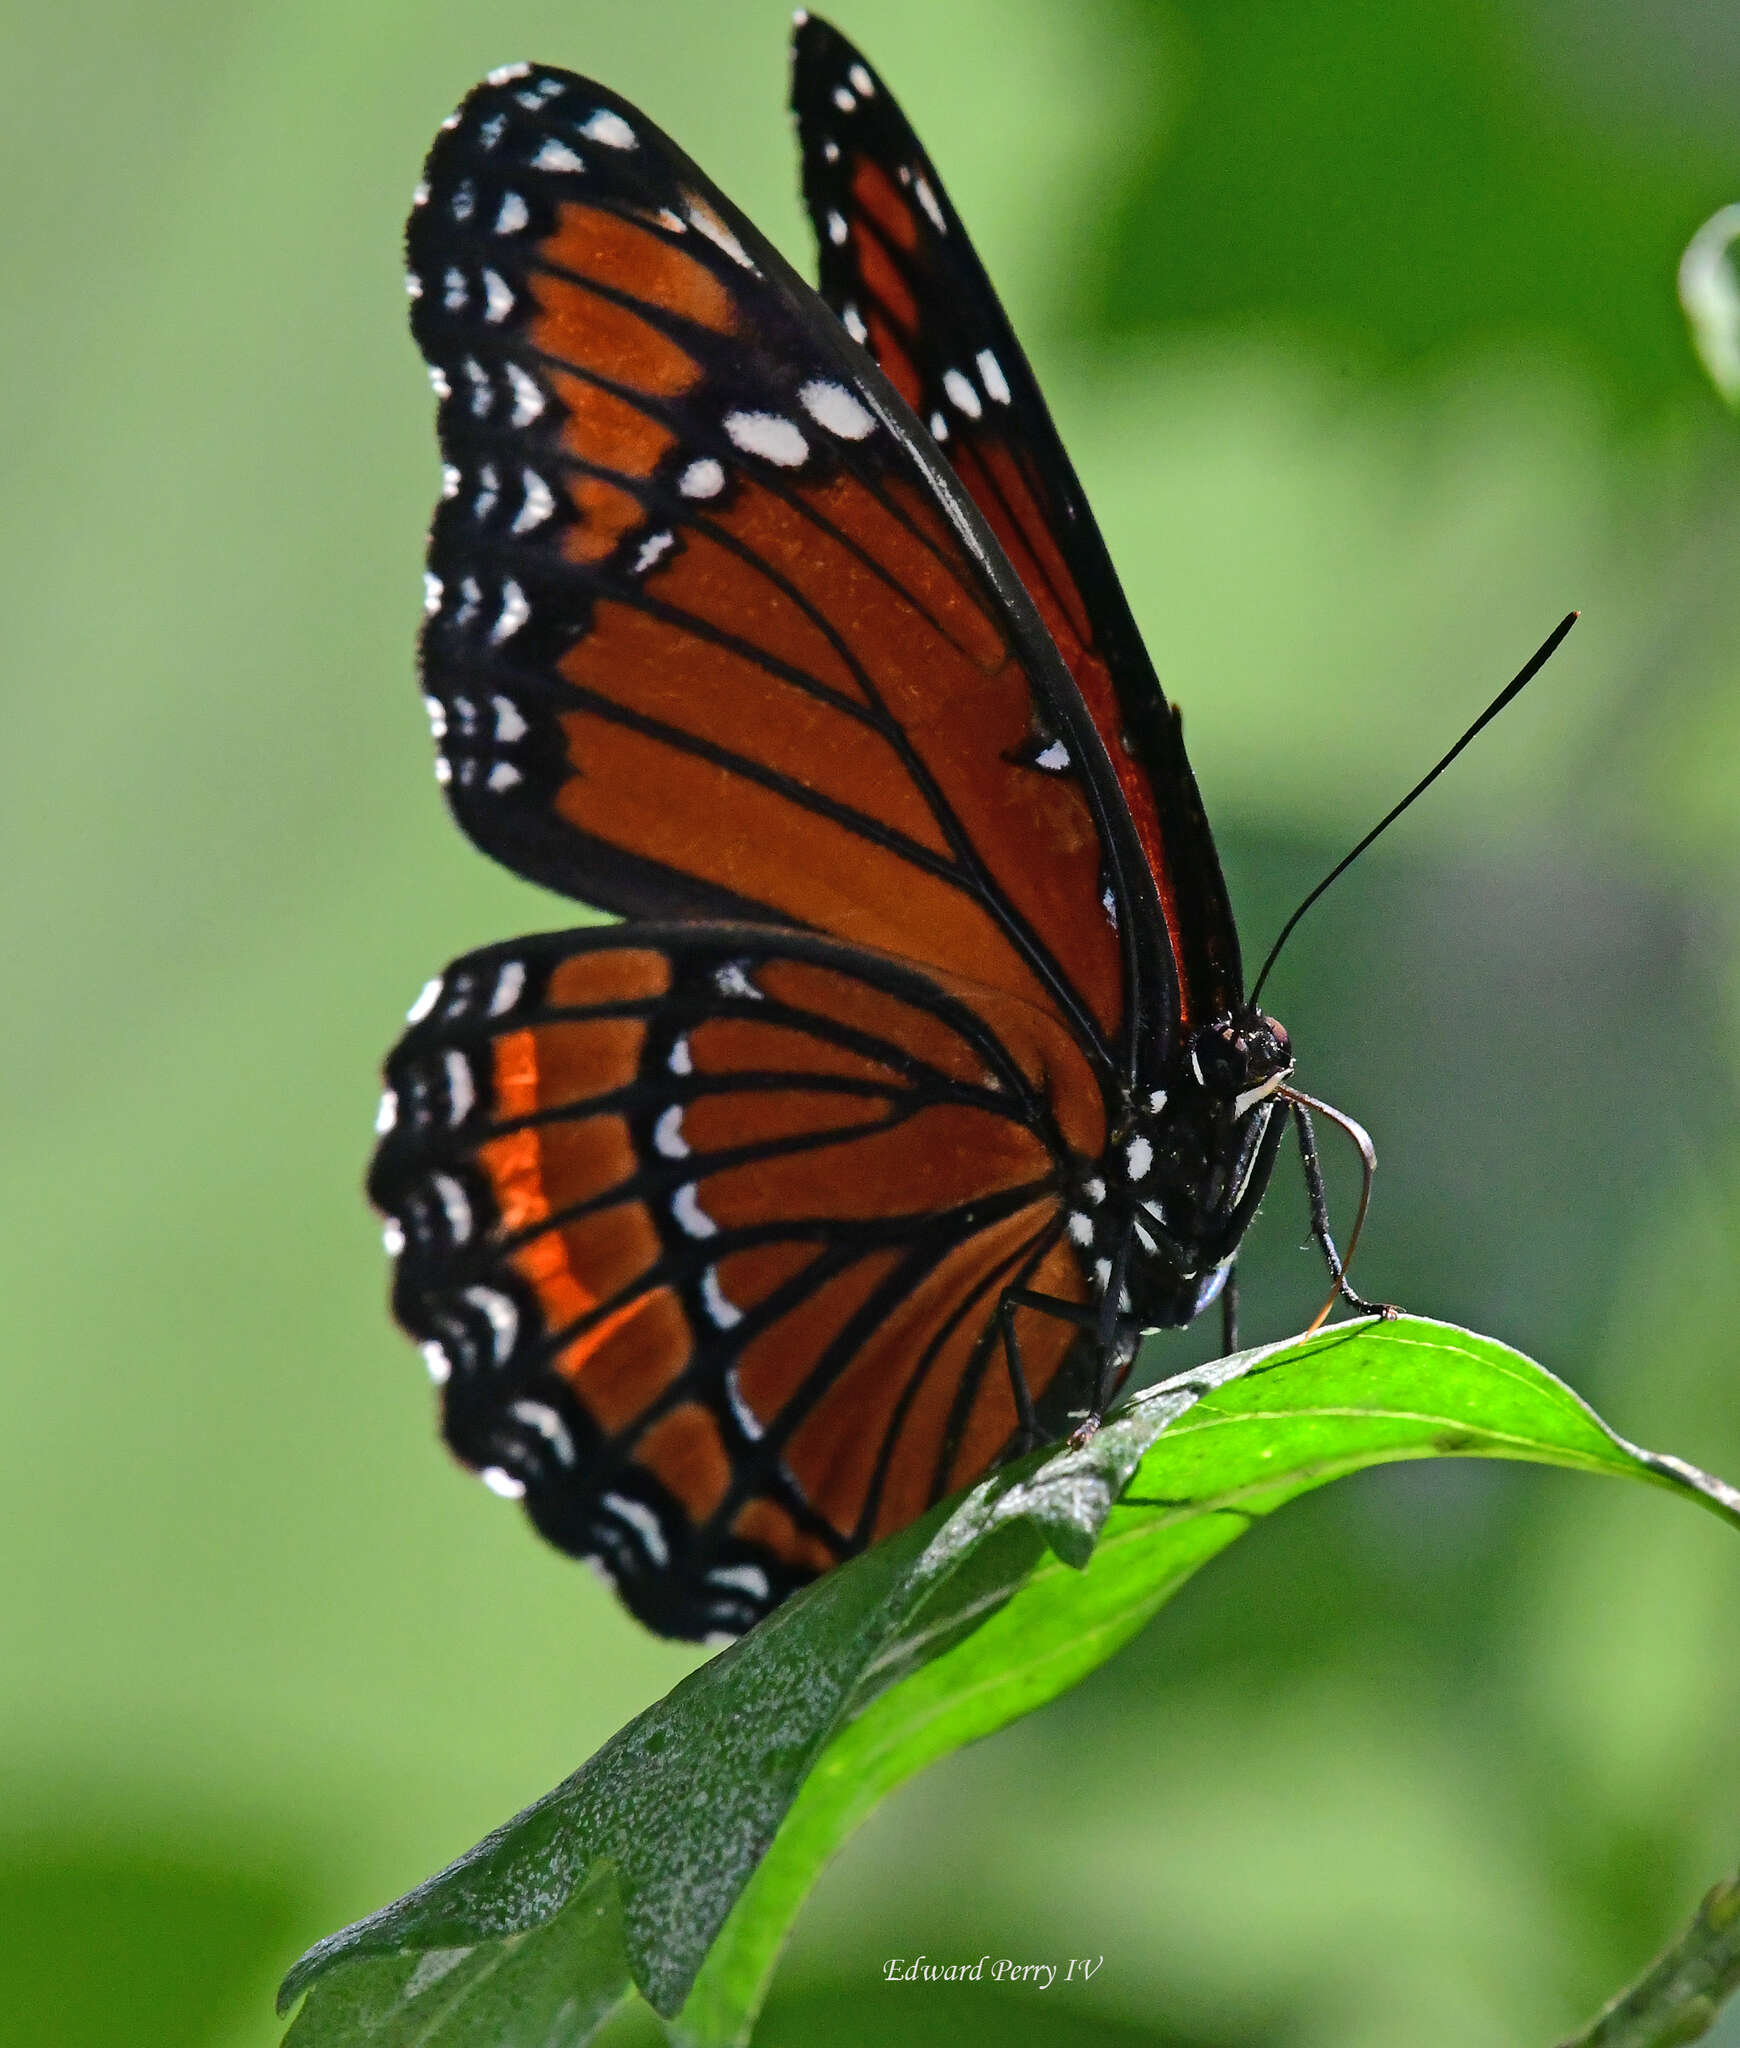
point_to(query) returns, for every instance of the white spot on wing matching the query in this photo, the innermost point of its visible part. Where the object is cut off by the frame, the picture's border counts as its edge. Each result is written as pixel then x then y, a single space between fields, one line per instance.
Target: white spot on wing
pixel 413 285
pixel 538 504
pixel 498 300
pixel 992 372
pixel 1081 1229
pixel 488 487
pixel 482 391
pixel 464 202
pixel 428 996
pixel 443 770
pixel 681 1061
pixel 1138 1158
pixel 715 229
pixel 1095 1190
pixel 742 1578
pixel 420 196
pixel 528 399
pixel 438 381
pixel 733 980
pixel 540 1416
pixel 492 130
pixel 393 1237
pixel 830 152
pixel 939 427
pixel 862 83
pixel 655 546
pixel 837 228
pixel 853 322
pixel 927 199
pixel 503 776
pixel 703 479
pixel 961 394
pixel 453 291
pixel 450 481
pixel 844 99
pixel 747 1419
pixel 557 156
pixel 505 74
pixel 508 985
pixel 515 611
pixel 641 1519
pixel 504 1318
pixel 686 1208
pixel 725 1312
pixel 769 435
pixel 668 1133
pixel 509 725
pixel 1055 757
pixel 503 1483
pixel 832 406
pixel 432 590
pixel 1156 1100
pixel 513 215
pixel 455 1206
pixel 388 1113
pixel 461 1089
pixel 610 129
pixel 438 1364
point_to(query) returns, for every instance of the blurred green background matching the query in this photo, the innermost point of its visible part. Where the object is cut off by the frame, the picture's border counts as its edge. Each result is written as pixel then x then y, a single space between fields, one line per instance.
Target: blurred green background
pixel 1360 323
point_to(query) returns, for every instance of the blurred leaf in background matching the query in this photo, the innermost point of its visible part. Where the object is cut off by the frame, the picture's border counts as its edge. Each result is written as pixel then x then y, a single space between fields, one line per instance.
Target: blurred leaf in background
pixel 1361 326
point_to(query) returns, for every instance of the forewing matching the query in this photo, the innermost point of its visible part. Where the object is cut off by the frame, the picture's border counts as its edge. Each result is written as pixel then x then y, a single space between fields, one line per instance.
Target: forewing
pixel 704 1230
pixel 711 628
pixel 898 269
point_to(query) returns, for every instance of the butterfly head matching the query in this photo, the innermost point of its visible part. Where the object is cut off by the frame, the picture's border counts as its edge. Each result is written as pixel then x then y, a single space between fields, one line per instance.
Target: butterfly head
pixel 1240 1061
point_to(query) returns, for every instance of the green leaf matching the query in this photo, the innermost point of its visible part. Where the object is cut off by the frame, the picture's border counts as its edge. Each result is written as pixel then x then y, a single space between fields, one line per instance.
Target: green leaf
pixel 678 1856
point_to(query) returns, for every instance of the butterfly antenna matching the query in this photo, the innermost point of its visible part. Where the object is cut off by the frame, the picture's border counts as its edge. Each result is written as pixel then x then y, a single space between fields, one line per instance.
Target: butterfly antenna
pixel 1512 689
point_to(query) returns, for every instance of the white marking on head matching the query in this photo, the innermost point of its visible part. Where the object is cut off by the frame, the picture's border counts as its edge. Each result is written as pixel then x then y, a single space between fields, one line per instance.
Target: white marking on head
pixel 508 986
pixel 652 549
pixel 498 299
pixel 686 1208
pixel 703 479
pixel 927 199
pixel 668 1133
pixel 464 202
pixel 450 481
pixel 961 394
pixel 844 99
pixel 747 1419
pixel 1095 1190
pixel 725 1312
pixel 832 406
pixel 413 285
pixel 438 381
pixel 862 83
pixel 641 1519
pixel 1250 1097
pixel 482 390
pixel 610 129
pixel 703 217
pixel 503 776
pixel 513 215
pixel 540 1416
pixel 837 228
pixel 437 1363
pixel 433 588
pixel 733 980
pixel 455 1205
pixel 1196 1068
pixel 393 1237
pixel 461 1088
pixel 509 725
pixel 515 610
pixel 769 435
pixel 557 156
pixel 1081 1229
pixel 427 997
pixel 681 1061
pixel 503 1483
pixel 1055 757
pixel 992 373
pixel 853 322
pixel 504 1318
pixel 528 399
pixel 1138 1158
pixel 538 504
pixel 388 1113
pixel 505 74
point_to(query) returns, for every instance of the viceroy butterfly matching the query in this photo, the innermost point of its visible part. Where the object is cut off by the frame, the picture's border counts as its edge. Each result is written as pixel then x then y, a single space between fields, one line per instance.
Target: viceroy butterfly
pixel 921 1081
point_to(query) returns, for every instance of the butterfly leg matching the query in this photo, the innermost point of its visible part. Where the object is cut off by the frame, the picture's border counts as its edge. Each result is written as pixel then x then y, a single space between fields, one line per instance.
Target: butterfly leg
pixel 1320 1220
pixel 1229 1312
pixel 1027 1422
pixel 1117 1355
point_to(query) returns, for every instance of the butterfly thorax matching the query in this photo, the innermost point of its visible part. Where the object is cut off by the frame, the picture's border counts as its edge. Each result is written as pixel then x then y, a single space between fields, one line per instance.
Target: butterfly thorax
pixel 1187 1167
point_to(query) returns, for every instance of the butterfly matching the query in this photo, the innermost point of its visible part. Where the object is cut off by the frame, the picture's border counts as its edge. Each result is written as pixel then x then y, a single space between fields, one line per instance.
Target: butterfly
pixel 920 1081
